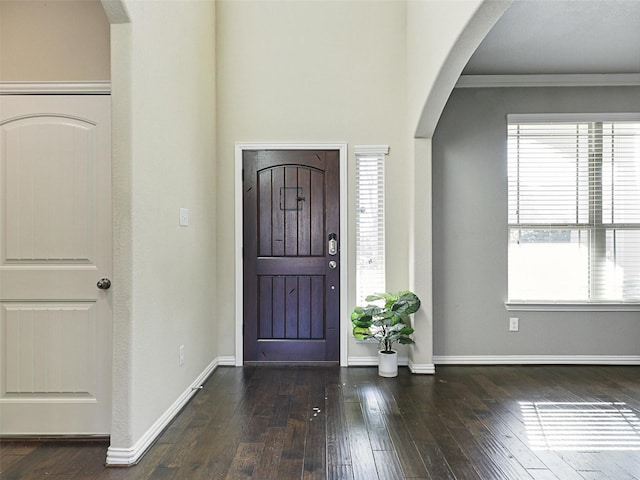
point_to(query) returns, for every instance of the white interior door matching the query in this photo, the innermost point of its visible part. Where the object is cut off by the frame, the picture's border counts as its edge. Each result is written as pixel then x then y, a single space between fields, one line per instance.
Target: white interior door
pixel 55 245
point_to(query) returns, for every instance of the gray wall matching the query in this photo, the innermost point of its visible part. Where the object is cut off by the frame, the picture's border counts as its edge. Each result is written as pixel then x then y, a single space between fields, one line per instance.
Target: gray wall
pixel 470 232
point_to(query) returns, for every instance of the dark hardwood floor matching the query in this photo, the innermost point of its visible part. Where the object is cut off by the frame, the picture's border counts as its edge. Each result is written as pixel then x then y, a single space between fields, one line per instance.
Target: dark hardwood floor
pixel 505 422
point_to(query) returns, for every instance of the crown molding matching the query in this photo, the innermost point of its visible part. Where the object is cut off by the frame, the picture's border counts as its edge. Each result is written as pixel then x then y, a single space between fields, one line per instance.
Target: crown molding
pixel 55 88
pixel 550 80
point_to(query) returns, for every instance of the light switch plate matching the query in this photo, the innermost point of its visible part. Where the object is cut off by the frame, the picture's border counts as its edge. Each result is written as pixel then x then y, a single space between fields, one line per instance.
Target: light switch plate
pixel 184 217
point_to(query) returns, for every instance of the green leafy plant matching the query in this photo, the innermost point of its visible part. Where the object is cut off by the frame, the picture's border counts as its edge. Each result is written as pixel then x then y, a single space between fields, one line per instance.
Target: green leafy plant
pixel 385 320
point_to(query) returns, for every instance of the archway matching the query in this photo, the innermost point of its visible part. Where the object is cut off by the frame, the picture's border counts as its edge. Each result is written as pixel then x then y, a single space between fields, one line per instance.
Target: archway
pixel 485 17
pixel 471 35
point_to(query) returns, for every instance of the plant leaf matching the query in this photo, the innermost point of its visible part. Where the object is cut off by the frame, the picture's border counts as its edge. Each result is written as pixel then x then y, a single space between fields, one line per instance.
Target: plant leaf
pixel 361 333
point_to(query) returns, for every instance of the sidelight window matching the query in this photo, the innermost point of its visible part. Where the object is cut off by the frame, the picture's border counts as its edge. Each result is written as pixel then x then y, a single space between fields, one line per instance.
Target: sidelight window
pixel 574 209
pixel 370 256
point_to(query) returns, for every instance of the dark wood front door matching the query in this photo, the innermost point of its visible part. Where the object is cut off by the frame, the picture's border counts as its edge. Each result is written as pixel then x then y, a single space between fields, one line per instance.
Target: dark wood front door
pixel 291 210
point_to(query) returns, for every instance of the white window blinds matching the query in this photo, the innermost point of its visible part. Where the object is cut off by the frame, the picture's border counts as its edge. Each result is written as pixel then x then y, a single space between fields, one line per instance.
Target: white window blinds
pixel 370 255
pixel 574 210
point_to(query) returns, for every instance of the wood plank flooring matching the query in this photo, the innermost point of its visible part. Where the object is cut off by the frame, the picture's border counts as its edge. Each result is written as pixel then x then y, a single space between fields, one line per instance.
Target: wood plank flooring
pixel 464 423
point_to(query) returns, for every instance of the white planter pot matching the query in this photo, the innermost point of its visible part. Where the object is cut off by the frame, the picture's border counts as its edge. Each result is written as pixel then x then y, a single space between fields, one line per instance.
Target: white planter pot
pixel 388 364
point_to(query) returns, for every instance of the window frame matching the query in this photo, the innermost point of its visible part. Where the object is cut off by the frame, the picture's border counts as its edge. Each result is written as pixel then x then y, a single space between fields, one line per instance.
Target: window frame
pixel 375 156
pixel 598 304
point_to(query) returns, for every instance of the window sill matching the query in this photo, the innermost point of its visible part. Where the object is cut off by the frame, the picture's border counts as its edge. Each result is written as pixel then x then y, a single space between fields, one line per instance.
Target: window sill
pixel 571 307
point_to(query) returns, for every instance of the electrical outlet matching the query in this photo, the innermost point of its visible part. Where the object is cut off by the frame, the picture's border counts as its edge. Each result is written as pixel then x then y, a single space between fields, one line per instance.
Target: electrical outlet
pixel 181 355
pixel 513 324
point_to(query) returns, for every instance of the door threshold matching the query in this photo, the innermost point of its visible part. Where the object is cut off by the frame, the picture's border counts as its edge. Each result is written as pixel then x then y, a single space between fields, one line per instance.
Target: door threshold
pixel 292 364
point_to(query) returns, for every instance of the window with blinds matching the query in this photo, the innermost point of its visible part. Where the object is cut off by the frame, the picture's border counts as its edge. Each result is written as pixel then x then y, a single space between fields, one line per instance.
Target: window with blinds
pixel 574 210
pixel 370 256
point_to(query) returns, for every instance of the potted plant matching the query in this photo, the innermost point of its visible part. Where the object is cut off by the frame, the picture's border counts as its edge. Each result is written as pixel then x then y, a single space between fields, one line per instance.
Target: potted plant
pixel 385 320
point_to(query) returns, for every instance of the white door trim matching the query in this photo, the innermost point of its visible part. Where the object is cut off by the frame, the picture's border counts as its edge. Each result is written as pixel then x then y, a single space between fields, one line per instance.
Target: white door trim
pixel 344 314
pixel 55 88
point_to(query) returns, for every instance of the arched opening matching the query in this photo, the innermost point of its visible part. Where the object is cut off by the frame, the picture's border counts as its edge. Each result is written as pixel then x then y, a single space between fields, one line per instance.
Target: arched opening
pixel 574 67
pixel 475 31
pixel 477 26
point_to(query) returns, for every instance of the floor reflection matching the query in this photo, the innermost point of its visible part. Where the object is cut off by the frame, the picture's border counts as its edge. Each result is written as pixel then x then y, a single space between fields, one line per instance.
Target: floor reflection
pixel 581 426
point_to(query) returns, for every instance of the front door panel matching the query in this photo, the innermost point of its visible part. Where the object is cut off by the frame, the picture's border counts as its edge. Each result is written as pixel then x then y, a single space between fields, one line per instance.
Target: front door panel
pixel 291 279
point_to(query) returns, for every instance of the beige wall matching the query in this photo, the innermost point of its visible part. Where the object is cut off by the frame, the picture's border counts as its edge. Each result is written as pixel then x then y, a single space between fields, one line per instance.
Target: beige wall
pixel 164 159
pixel 433 28
pixel 312 72
pixel 53 41
pixel 358 72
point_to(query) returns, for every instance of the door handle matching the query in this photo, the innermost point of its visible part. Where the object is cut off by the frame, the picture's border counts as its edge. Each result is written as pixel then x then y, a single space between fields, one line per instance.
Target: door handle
pixel 103 284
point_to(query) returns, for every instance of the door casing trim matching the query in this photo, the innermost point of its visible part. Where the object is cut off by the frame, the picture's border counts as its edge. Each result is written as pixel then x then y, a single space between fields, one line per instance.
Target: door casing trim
pixel 240 147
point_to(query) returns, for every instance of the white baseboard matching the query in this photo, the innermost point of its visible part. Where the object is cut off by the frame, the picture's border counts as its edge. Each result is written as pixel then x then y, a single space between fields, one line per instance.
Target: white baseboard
pixel 227 361
pixel 124 457
pixel 372 361
pixel 536 359
pixel 417 368
pixel 422 368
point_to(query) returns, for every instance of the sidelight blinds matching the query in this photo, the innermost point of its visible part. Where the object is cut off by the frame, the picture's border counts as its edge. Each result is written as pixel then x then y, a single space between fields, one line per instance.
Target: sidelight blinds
pixel 574 210
pixel 370 256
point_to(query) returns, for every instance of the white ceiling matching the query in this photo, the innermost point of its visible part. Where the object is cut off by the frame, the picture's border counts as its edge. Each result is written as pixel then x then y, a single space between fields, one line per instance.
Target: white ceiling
pixel 562 37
